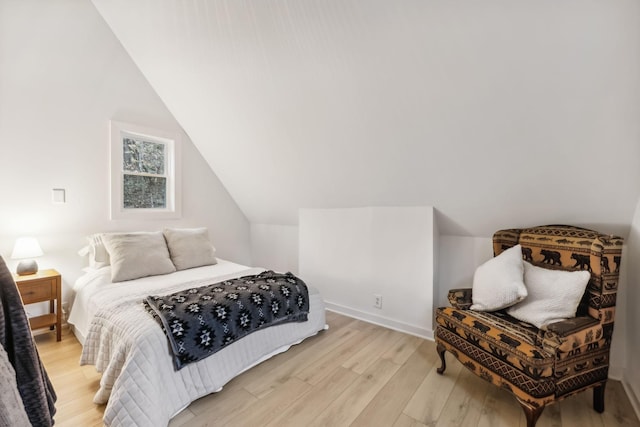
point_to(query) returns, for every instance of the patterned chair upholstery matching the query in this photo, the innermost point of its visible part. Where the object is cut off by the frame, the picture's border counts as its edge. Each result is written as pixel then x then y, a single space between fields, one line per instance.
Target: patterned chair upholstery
pixel 540 367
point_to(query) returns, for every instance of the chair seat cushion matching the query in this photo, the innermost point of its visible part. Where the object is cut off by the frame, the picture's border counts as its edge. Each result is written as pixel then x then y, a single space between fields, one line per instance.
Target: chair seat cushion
pixel 509 352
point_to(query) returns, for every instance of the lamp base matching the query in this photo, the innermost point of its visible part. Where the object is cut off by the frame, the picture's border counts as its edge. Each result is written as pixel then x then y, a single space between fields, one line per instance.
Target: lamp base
pixel 26 267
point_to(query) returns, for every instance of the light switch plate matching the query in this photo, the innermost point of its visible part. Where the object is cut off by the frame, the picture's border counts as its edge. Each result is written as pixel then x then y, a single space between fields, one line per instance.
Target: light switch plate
pixel 58 195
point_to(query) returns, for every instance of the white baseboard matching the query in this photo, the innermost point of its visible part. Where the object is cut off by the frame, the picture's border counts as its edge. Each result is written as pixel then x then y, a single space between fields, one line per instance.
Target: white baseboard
pixel 381 321
pixel 632 395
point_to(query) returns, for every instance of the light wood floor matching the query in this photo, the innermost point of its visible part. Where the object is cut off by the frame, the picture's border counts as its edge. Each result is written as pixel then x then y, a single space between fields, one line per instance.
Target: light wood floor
pixel 354 374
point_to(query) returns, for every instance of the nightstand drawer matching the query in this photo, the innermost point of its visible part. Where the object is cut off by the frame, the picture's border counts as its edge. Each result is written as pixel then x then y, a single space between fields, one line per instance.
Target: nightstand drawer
pixel 43 290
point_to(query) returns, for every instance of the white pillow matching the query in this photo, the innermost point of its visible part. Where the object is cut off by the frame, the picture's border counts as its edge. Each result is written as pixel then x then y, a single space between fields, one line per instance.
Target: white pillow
pixel 190 247
pixel 554 295
pixel 498 283
pixel 139 254
pixel 98 255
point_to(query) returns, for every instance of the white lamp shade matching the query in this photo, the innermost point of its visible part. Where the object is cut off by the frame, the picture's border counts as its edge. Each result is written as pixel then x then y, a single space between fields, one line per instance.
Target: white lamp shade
pixel 26 247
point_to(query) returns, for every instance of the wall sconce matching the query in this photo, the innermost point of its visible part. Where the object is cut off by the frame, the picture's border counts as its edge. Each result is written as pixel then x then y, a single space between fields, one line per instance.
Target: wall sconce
pixel 26 247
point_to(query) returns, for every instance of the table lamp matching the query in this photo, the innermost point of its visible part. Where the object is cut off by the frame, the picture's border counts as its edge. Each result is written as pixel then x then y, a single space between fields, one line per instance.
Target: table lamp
pixel 26 248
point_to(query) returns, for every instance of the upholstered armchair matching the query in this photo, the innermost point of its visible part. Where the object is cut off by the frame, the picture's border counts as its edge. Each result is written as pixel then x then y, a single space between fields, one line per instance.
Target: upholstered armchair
pixel 540 366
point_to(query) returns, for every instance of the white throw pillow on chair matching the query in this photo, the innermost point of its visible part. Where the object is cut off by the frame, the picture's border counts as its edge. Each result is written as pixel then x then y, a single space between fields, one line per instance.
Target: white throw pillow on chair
pixel 554 295
pixel 499 282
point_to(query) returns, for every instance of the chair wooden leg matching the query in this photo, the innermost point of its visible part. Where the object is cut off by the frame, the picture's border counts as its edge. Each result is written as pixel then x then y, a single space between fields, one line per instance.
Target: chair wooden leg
pixel 440 348
pixel 598 398
pixel 532 414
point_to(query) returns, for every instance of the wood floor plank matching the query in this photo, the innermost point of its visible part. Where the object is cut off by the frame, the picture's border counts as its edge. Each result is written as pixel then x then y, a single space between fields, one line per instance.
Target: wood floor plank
pixel 403 349
pixel 79 408
pixel 428 401
pixel 310 406
pixel 370 352
pixel 68 378
pixel 392 383
pixel 576 411
pixel 357 396
pixel 322 340
pixel 406 421
pixel 385 408
pixel 224 401
pixel 183 419
pixel 501 409
pixel 464 405
pixel 336 321
pixel 86 419
pixel 283 367
pixel 321 367
pixel 550 417
pixel 269 407
pixel 287 364
pixel 618 409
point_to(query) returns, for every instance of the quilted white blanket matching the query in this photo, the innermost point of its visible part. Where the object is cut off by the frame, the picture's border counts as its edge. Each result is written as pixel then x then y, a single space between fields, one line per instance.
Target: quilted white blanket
pixel 139 382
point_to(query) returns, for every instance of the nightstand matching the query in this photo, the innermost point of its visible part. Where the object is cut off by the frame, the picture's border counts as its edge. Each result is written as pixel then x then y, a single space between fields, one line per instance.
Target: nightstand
pixel 45 285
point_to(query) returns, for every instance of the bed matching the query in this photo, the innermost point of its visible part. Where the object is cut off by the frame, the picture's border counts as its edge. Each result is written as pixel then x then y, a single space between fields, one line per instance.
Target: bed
pixel 139 383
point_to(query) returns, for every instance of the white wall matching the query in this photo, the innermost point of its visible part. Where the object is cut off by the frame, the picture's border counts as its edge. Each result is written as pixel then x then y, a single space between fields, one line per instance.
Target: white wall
pixel 458 259
pixel 352 254
pixel 631 377
pixel 63 75
pixel 481 109
pixel 275 247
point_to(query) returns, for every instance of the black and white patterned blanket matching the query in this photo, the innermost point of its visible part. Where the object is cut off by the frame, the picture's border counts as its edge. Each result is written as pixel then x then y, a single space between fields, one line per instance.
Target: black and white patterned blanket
pixel 201 321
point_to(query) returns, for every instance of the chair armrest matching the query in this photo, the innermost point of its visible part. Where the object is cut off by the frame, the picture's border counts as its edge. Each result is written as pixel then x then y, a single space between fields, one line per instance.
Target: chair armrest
pixel 569 334
pixel 460 298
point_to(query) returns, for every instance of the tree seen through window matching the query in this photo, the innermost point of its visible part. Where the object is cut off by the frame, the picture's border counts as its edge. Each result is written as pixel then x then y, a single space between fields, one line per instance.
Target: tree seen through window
pixel 144 174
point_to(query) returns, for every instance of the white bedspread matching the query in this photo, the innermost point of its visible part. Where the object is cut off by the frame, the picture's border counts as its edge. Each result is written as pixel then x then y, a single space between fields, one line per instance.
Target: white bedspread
pixel 129 348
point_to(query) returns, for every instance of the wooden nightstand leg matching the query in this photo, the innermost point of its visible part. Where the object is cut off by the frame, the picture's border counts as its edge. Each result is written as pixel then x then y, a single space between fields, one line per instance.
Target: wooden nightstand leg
pixel 58 318
pixel 51 310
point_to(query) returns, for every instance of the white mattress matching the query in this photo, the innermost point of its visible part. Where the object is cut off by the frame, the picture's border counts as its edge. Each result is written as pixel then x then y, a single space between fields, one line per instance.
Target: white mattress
pixel 128 347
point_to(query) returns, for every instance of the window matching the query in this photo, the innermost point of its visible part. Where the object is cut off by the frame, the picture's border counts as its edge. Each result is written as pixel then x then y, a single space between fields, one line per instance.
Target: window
pixel 144 178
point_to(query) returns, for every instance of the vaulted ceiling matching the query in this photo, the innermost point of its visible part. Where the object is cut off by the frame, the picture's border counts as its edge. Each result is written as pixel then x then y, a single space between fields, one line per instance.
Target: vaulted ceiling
pixel 498 113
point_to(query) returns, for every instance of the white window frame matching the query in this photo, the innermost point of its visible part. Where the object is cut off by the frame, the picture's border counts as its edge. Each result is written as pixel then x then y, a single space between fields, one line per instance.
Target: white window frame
pixel 171 140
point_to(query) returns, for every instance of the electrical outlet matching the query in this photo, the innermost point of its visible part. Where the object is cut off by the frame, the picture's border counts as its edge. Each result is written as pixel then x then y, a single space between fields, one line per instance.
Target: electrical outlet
pixel 377 300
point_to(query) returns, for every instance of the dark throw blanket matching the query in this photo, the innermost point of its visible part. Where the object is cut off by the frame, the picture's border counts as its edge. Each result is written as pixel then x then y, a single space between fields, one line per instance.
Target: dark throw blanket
pixel 38 396
pixel 201 321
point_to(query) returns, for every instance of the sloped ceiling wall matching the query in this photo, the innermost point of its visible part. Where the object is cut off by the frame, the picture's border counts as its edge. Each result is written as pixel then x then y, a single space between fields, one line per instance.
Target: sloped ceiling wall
pixel 498 113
